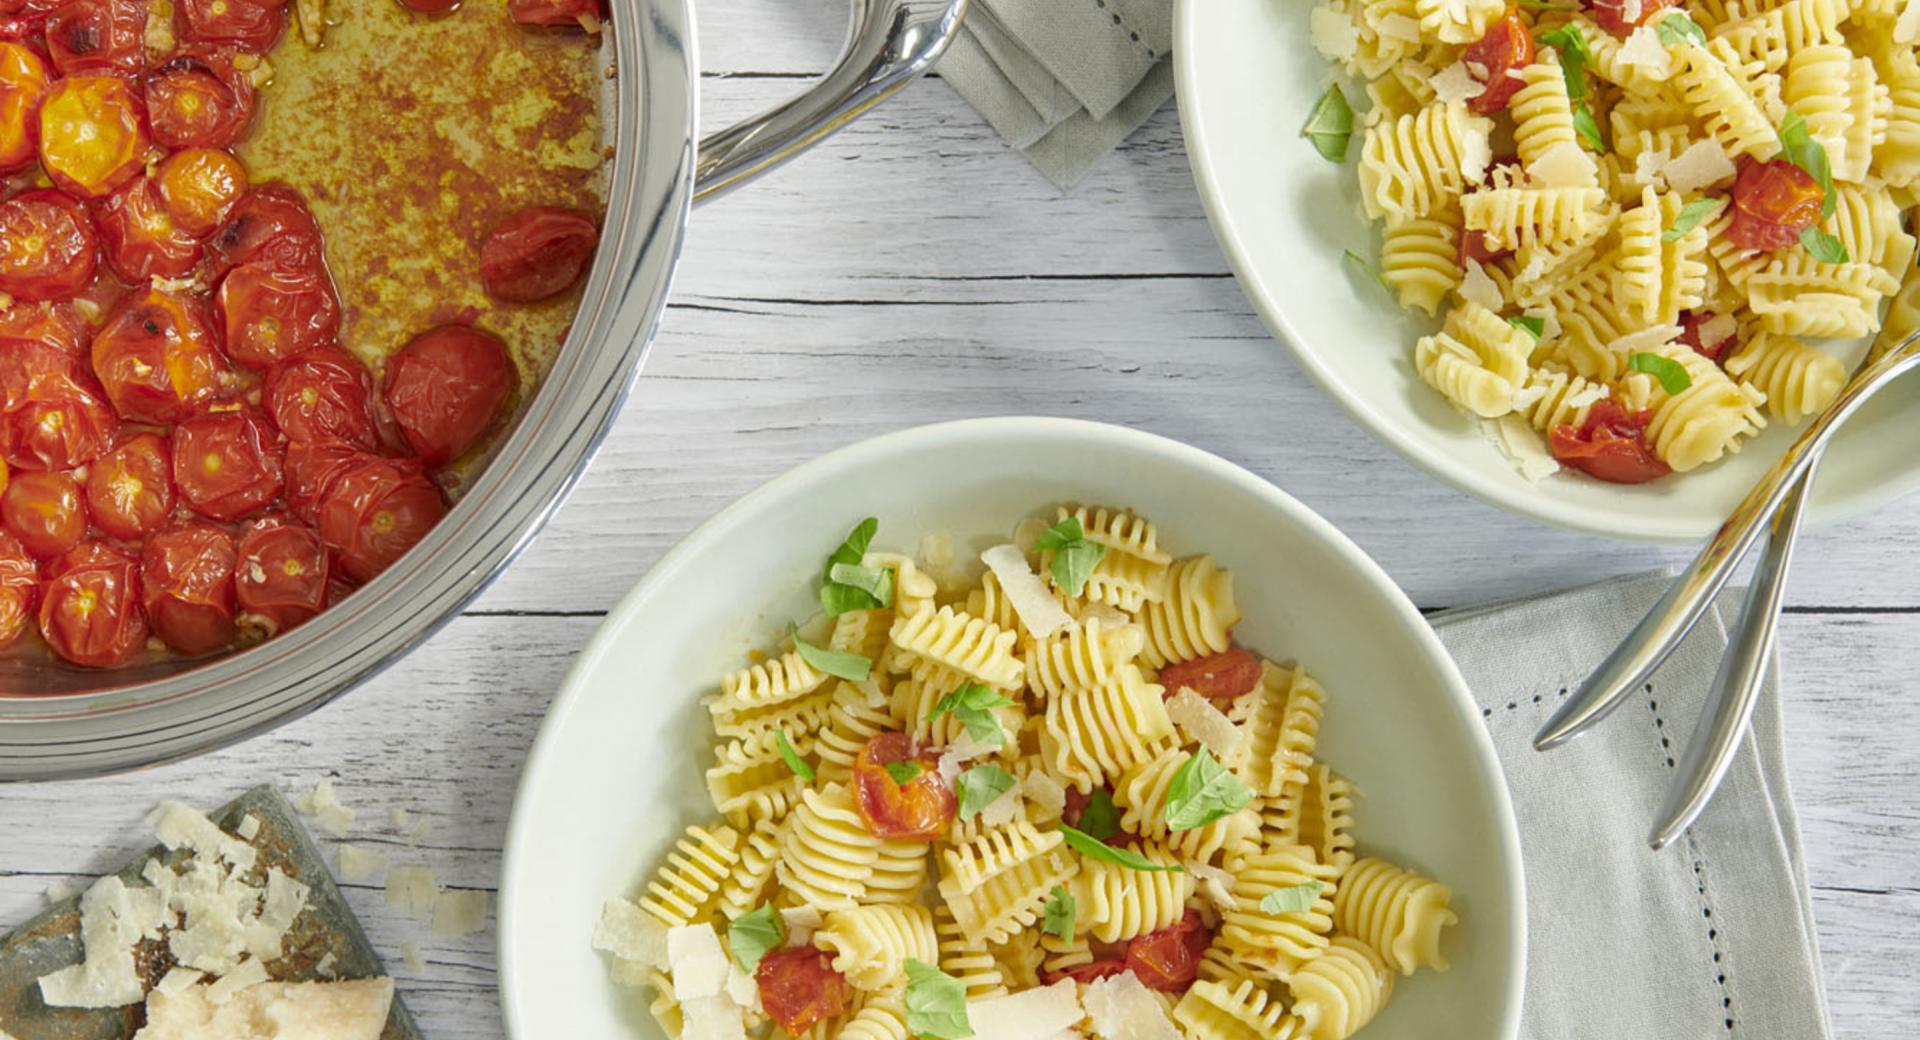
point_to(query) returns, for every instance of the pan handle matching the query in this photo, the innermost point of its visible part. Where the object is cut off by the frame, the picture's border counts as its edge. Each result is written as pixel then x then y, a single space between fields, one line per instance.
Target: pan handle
pixel 892 43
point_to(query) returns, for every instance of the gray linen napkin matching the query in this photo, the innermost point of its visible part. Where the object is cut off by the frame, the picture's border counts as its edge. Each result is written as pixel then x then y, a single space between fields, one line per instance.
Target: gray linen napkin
pixel 1064 81
pixel 1711 938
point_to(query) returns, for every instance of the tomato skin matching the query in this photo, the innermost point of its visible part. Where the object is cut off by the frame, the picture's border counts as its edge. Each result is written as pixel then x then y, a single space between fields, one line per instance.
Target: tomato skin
pixel 47 246
pixel 1221 676
pixel 313 468
pixel 587 14
pixel 375 511
pixel 90 610
pixel 536 253
pixel 1090 972
pixel 445 387
pixel 323 395
pixel 130 489
pixel 197 99
pixel 200 187
pixel 93 133
pixel 272 313
pixel 23 86
pixel 19 588
pixel 139 238
pixel 88 35
pixel 920 810
pixel 1168 960
pixel 1507 44
pixel 1773 202
pixel 248 25
pixel 56 416
pixel 283 571
pixel 270 223
pixel 1473 246
pixel 228 465
pixel 1611 15
pixel 54 325
pixel 1611 446
pixel 159 358
pixel 799 988
pixel 45 511
pixel 186 586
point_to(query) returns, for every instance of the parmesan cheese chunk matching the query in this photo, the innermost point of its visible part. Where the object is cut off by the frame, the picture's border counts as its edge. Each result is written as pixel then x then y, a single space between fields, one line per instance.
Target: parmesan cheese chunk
pixel 1717 328
pixel 711 1018
pixel 181 826
pixel 105 976
pixel 1477 287
pixel 410 955
pixel 1040 614
pixel 178 980
pixel 459 912
pixel 1522 447
pixel 358 863
pixel 325 807
pixel 412 890
pixel 250 973
pixel 1476 149
pixel 1045 792
pixel 698 962
pixel 1565 165
pixel 1214 883
pixel 1003 809
pixel 1031 1014
pixel 801 922
pixel 1120 1008
pixel 1332 33
pixel 1456 83
pixel 1640 341
pixel 958 754
pixel 355 1010
pixel 1700 165
pixel 1644 49
pixel 631 934
pixel 249 828
pixel 1201 721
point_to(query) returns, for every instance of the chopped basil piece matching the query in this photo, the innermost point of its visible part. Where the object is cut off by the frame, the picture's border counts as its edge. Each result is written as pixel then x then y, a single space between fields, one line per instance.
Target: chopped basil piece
pixel 1676 29
pixel 1672 375
pixel 1059 913
pixel 1822 246
pixel 840 665
pixel 1074 554
pixel 1574 56
pixel 1100 819
pixel 791 757
pixel 1799 148
pixel 980 787
pixel 936 1003
pixel 1093 848
pixel 1330 126
pixel 1588 129
pixel 1293 899
pixel 973 705
pixel 874 581
pixel 1690 217
pixel 1367 269
pixel 837 598
pixel 1531 324
pixel 904 772
pixel 753 935
pixel 1202 792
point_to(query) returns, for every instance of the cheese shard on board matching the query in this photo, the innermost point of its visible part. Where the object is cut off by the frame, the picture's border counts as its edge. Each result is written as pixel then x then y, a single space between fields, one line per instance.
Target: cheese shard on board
pixel 1121 1008
pixel 108 932
pixel 459 912
pixel 1031 1014
pixel 355 1010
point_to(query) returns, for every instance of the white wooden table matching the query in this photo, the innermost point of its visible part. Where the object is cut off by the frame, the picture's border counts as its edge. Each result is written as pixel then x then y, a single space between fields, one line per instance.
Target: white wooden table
pixel 805 318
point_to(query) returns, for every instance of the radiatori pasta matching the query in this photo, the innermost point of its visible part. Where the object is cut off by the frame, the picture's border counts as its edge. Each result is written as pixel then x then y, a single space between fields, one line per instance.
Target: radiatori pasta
pixel 943 799
pixel 1579 192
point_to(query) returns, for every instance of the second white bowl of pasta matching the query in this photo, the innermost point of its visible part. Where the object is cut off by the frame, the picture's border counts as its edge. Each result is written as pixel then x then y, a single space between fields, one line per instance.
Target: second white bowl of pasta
pixel 1211 785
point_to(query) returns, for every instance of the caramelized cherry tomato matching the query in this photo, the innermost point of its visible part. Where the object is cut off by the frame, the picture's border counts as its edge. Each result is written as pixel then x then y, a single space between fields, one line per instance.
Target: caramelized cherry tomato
pixel 228 465
pixel 89 35
pixel 323 395
pixel 93 134
pixel 90 612
pixel 1693 331
pixel 1168 959
pixel 159 357
pixel 1473 246
pixel 536 253
pixel 197 99
pixel 200 187
pixel 19 588
pixel 1506 46
pixel 130 489
pixel 1091 972
pixel 1221 676
pixel 272 313
pixel 139 238
pixel 921 809
pixel 186 586
pixel 375 511
pixel 1611 15
pixel 313 468
pixel 270 223
pixel 47 246
pixel 1772 203
pixel 1612 446
pixel 55 325
pixel 23 86
pixel 250 25
pixel 587 14
pixel 445 388
pixel 45 511
pixel 799 988
pixel 282 575
pixel 56 416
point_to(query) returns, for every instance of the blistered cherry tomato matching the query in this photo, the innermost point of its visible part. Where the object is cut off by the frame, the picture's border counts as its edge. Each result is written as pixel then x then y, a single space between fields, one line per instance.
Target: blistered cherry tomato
pixel 227 465
pixel 200 187
pixel 1507 45
pixel 921 809
pixel 536 253
pixel 1611 446
pixel 323 395
pixel 186 586
pixel 271 313
pixel 90 35
pixel 45 511
pixel 56 415
pixel 159 357
pixel 19 588
pixel 1773 202
pixel 139 238
pixel 1168 959
pixel 375 511
pixel 130 489
pixel 1221 676
pixel 1473 246
pixel 445 388
pixel 587 14
pixel 1611 15
pixel 23 86
pixel 47 246
pixel 799 988
pixel 282 574
pixel 313 468
pixel 55 325
pixel 250 25
pixel 1693 331
pixel 270 223
pixel 197 99
pixel 90 608
pixel 93 133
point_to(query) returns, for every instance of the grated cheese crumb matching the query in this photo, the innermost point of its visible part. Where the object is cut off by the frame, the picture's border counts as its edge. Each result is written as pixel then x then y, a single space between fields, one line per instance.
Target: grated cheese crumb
pixel 177 980
pixel 326 969
pixel 1039 612
pixel 459 912
pixel 360 864
pixel 249 828
pixel 1201 721
pixel 1214 883
pixel 1565 165
pixel 60 892
pixel 1476 149
pixel 325 807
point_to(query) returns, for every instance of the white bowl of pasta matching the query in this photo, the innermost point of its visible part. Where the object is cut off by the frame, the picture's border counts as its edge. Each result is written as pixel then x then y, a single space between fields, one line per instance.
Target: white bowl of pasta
pixel 1250 76
pixel 629 796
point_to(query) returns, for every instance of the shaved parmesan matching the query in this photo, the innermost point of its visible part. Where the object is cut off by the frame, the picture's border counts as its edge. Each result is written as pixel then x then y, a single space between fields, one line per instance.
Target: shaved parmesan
pixel 801 922
pixel 1040 614
pixel 1565 165
pixel 1630 12
pixel 632 974
pixel 1906 28
pixel 181 826
pixel 60 892
pixel 1003 809
pixel 1333 33
pixel 631 934
pixel 959 753
pixel 1476 149
pixel 1477 287
pixel 1549 322
pixel 1046 793
pixel 1214 883
pixel 1455 82
pixel 1522 446
pixel 1528 394
pixel 459 912
pixel 1701 164
pixel 711 1018
pixel 324 806
pixel 360 864
pixel 355 1010
pixel 1717 329
pixel 698 963
pixel 742 989
pixel 1640 341
pixel 1645 50
pixel 410 955
pixel 1120 1008
pixel 249 828
pixel 250 973
pixel 105 976
pixel 1398 27
pixel 1593 392
pixel 178 980
pixel 1039 1012
pixel 1201 721
pixel 412 890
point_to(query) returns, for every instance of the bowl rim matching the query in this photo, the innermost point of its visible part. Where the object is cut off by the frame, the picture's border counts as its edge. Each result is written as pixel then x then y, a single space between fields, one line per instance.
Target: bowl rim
pixel 574 686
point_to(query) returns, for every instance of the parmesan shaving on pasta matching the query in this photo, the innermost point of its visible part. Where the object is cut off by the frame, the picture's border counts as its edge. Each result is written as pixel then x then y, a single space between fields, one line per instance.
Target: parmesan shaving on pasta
pixel 1644 50
pixel 712 1018
pixel 1040 614
pixel 1332 33
pixel 801 922
pixel 964 749
pixel 1549 322
pixel 1522 447
pixel 1477 287
pixel 1906 28
pixel 1121 1008
pixel 1456 83
pixel 1476 150
pixel 1717 328
pixel 699 963
pixel 631 934
pixel 1565 165
pixel 1398 27
pixel 1640 341
pixel 1214 883
pixel 1699 165
pixel 1046 793
pixel 1199 719
pixel 1039 1012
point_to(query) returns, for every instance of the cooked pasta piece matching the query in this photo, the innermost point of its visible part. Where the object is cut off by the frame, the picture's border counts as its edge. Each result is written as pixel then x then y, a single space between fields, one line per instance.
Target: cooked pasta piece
pixel 687 888
pixel 751 780
pixel 1197 616
pixel 1340 991
pixel 1281 731
pixel 956 640
pixel 1090 736
pixel 1119 902
pixel 872 944
pixel 1278 944
pixel 1082 656
pixel 1396 912
pixel 1798 380
pixel 1419 261
pixel 1415 165
pixel 1212 1011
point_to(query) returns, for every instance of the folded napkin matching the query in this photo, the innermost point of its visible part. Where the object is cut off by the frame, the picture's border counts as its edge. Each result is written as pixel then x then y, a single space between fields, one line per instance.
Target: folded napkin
pixel 1064 81
pixel 1711 938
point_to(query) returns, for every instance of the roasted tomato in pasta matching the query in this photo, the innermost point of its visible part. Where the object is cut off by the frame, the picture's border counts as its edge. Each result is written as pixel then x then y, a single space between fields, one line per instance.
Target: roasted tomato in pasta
pixel 799 988
pixel 1506 46
pixel 1092 972
pixel 139 238
pixel 323 396
pixel 90 608
pixel 445 388
pixel 56 415
pixel 587 14
pixel 93 133
pixel 536 253
pixel 375 510
pixel 1611 446
pixel 917 804
pixel 1168 959
pixel 197 99
pixel 1773 202
pixel 45 511
pixel 1622 17
pixel 19 588
pixel 270 223
pixel 130 489
pixel 1221 676
pixel 47 246
pixel 159 358
pixel 23 86
pixel 249 25
pixel 228 465
pixel 283 574
pixel 90 35
pixel 272 313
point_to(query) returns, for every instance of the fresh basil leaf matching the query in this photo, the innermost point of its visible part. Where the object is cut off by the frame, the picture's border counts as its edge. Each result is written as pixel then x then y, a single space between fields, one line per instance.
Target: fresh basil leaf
pixel 1690 217
pixel 980 787
pixel 1587 127
pixel 753 935
pixel 936 1003
pixel 1093 848
pixel 1676 29
pixel 1202 792
pixel 837 598
pixel 1574 57
pixel 1074 554
pixel 1059 913
pixel 904 772
pixel 1531 324
pixel 1373 273
pixel 1330 126
pixel 1294 899
pixel 1672 375
pixel 791 757
pixel 1823 247
pixel 874 581
pixel 839 664
pixel 1068 530
pixel 1800 149
pixel 1100 819
pixel 973 705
